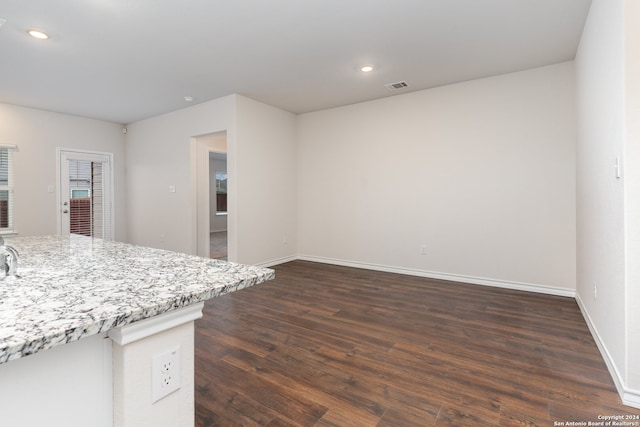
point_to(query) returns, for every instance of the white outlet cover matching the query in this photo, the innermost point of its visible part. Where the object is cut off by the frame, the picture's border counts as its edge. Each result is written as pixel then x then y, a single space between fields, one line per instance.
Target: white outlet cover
pixel 165 373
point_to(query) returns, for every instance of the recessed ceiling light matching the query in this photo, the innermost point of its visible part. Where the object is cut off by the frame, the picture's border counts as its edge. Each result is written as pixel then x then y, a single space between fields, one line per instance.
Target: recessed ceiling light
pixel 37 34
pixel 188 98
pixel 366 68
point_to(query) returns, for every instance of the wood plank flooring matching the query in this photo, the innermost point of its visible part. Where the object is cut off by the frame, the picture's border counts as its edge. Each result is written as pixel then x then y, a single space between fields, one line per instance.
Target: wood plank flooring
pixel 328 346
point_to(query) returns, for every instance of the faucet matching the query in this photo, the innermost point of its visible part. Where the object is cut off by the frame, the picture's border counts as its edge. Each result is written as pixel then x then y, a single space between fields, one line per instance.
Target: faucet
pixel 8 260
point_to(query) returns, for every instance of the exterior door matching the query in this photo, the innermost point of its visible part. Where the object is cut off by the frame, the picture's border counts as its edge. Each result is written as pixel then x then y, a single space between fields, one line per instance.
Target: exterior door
pixel 86 191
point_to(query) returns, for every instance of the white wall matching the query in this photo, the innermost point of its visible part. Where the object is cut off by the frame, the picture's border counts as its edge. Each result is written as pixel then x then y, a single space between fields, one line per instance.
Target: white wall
pixel 481 173
pixel 266 183
pixel 604 241
pixel 159 154
pixel 632 198
pixel 260 166
pixel 37 134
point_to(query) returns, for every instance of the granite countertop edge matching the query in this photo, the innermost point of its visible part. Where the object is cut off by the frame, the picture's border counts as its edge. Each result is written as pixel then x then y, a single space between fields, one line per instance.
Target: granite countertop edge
pixel 35 340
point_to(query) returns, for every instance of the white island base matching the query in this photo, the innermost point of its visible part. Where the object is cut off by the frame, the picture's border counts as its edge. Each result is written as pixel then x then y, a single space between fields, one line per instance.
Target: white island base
pixel 103 380
pixel 81 325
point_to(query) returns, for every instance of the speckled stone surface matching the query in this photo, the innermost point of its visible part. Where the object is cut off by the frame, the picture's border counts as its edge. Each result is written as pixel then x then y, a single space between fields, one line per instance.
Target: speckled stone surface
pixel 73 287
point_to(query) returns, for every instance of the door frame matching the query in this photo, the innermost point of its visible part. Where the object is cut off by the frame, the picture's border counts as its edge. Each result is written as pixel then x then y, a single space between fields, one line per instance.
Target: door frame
pixel 73 153
pixel 200 147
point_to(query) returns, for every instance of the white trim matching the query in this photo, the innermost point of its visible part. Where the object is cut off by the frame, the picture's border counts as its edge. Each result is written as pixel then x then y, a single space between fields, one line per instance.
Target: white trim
pixel 631 398
pixel 628 396
pixel 608 360
pixel 277 261
pixel 520 286
pixel 200 214
pixel 145 328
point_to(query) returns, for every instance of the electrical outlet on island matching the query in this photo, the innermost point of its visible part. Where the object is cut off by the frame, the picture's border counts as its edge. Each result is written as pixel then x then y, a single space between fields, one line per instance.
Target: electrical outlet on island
pixel 165 373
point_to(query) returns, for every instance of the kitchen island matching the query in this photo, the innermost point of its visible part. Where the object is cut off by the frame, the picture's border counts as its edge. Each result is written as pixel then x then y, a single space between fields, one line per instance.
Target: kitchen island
pixel 91 315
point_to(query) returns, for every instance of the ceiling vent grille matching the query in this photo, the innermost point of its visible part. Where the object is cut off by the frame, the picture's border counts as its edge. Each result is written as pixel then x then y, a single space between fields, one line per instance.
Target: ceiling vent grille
pixel 396 85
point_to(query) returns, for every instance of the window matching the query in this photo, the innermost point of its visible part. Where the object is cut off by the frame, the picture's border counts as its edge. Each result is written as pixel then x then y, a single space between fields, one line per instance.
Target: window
pixel 221 192
pixel 6 188
pixel 79 194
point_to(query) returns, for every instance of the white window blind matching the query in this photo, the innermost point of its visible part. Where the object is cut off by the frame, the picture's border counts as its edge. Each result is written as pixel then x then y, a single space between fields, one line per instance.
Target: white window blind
pixel 89 214
pixel 100 213
pixel 6 188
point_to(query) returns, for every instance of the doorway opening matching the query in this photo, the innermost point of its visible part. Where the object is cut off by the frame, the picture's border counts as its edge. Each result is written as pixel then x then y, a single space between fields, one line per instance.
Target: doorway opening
pixel 218 205
pixel 212 209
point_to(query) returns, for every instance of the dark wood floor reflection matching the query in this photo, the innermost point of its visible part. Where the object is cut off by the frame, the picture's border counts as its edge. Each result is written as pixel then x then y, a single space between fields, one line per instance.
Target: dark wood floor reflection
pixel 334 346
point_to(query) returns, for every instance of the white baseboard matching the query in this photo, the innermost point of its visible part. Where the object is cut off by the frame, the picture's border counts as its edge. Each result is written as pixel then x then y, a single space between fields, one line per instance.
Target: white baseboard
pixel 277 261
pixel 629 397
pixel 529 287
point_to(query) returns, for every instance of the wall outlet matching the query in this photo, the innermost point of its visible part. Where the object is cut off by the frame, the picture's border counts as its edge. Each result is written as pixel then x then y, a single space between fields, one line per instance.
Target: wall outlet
pixel 423 249
pixel 165 374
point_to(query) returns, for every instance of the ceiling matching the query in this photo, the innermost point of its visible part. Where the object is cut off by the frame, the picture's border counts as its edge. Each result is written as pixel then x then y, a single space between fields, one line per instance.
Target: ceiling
pixel 126 60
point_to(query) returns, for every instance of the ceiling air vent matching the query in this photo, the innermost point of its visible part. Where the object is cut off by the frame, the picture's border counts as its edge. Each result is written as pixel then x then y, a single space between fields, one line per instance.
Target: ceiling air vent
pixel 397 85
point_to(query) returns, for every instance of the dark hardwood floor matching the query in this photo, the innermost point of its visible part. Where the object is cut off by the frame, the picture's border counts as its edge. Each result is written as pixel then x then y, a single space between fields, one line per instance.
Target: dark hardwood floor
pixel 325 345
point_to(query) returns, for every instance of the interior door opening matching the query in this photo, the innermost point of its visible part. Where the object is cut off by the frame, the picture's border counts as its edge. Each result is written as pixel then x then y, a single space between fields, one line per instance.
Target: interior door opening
pixel 218 205
pixel 212 209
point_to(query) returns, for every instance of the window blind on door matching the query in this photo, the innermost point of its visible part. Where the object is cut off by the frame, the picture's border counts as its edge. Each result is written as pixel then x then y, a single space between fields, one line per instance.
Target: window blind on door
pixel 100 213
pixel 89 215
pixel 80 197
pixel 6 187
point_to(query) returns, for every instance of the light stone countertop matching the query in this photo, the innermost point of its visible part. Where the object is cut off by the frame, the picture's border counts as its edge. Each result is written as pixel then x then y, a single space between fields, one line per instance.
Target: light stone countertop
pixel 74 287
